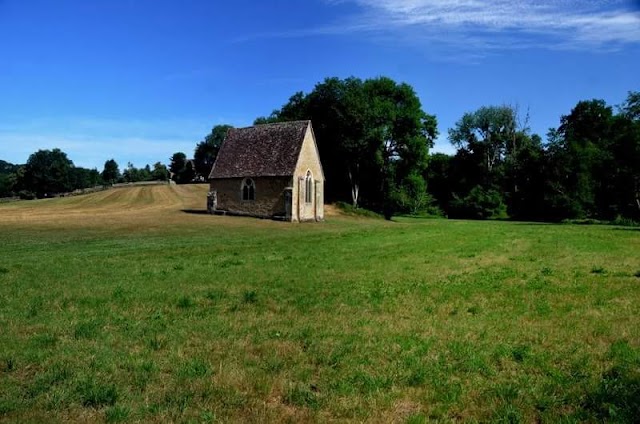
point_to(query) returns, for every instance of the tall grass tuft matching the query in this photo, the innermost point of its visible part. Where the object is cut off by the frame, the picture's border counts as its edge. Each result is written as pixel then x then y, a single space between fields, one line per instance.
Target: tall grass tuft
pixel 95 394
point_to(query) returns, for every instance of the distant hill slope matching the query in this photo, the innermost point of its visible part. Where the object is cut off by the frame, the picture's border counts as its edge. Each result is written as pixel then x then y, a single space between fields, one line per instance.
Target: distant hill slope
pixel 125 204
pixel 7 168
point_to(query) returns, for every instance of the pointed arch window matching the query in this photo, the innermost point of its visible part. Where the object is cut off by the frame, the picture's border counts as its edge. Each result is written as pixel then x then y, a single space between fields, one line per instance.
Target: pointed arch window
pixel 308 188
pixel 248 189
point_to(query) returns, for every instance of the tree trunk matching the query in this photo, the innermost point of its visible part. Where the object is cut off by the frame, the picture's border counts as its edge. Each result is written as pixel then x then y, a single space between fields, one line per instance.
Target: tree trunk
pixel 637 191
pixel 355 186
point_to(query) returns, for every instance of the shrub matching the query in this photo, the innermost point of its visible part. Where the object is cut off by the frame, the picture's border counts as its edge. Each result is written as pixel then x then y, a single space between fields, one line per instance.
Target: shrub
pixel 479 203
pixel 625 222
pixel 26 195
pixel 348 209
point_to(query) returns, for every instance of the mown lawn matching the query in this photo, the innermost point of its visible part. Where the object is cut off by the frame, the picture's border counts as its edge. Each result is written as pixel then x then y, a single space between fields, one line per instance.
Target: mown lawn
pixel 175 316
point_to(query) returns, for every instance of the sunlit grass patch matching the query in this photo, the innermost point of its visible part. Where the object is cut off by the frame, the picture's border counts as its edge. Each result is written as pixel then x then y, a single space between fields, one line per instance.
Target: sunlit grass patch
pixel 150 314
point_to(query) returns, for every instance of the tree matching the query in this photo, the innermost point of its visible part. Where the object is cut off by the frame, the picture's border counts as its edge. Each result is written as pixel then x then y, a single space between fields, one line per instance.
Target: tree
pixel 583 145
pixel 524 182
pixel 626 153
pixel 337 109
pixel 400 134
pixel 48 172
pixel 485 134
pixel 439 178
pixel 207 150
pixel 487 141
pixel 372 136
pixel 8 178
pixel 130 173
pixel 177 167
pixel 110 173
pixel 83 177
pixel 6 185
pixel 160 172
pixel 189 172
pixel 630 109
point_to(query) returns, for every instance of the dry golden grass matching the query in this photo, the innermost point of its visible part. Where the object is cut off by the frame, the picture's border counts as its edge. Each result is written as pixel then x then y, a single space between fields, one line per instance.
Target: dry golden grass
pixel 115 205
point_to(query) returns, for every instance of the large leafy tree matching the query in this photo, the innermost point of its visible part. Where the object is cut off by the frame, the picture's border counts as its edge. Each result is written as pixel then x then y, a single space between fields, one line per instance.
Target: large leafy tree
pixel 7 184
pixel 110 172
pixel 182 170
pixel 83 177
pixel 399 134
pixel 8 178
pixel 524 177
pixel 626 152
pixel 337 109
pixel 159 172
pixel 582 145
pixel 592 162
pixel 485 134
pixel 483 138
pixel 373 138
pixel 497 165
pixel 207 150
pixel 48 172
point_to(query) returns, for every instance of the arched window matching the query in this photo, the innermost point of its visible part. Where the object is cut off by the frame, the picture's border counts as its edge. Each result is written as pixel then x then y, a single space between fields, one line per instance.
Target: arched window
pixel 308 188
pixel 248 189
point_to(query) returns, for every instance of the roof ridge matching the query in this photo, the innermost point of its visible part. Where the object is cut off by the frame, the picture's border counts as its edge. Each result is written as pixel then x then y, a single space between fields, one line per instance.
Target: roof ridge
pixel 299 121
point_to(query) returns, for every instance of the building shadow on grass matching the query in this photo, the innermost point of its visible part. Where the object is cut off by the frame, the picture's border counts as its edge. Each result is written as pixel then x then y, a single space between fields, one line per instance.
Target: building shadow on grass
pixel 196 211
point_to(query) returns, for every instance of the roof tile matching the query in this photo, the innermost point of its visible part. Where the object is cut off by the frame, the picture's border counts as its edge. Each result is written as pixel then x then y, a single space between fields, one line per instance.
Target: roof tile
pixel 261 150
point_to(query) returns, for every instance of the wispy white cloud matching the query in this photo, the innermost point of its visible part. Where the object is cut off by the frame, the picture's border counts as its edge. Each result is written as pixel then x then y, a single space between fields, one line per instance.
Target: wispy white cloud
pixel 488 25
pixel 582 24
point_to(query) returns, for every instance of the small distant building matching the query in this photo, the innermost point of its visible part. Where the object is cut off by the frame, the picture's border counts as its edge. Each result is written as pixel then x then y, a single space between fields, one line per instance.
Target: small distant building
pixel 269 171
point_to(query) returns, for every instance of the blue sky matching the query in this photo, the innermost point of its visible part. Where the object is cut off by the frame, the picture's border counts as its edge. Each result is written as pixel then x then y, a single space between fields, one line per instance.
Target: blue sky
pixel 137 80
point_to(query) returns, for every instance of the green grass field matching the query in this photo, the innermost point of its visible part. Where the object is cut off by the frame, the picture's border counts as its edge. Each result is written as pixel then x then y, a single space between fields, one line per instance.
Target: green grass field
pixel 132 305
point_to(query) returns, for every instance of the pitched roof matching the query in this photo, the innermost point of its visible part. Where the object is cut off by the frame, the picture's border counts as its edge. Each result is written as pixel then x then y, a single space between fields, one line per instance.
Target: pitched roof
pixel 262 150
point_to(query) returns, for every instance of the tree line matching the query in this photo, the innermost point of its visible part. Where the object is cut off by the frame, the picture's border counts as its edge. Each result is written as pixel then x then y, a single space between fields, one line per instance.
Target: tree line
pixel 588 167
pixel 374 139
pixel 50 172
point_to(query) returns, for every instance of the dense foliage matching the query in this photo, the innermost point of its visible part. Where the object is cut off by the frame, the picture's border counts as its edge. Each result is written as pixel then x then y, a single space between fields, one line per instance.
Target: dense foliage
pixel 111 172
pixel 373 138
pixel 182 170
pixel 588 168
pixel 132 174
pixel 207 150
pixel 7 178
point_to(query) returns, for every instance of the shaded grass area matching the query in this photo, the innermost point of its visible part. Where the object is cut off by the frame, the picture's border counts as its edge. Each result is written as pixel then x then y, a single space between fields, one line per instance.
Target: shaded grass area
pixel 211 318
